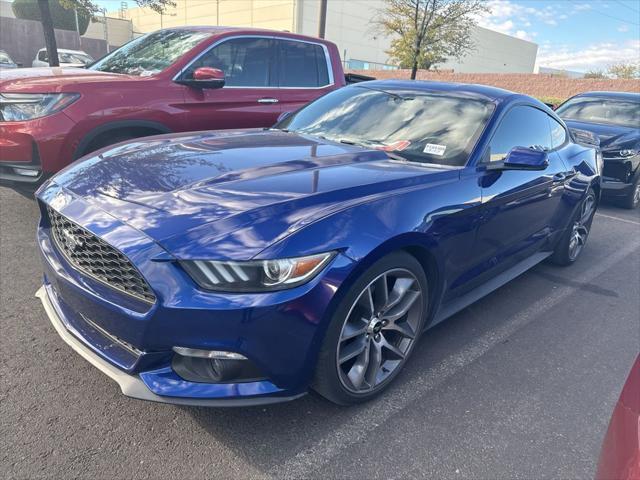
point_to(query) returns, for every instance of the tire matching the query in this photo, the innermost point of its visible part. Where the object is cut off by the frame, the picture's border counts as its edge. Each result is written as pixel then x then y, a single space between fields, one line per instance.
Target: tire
pixel 109 139
pixel 632 200
pixel 575 237
pixel 360 356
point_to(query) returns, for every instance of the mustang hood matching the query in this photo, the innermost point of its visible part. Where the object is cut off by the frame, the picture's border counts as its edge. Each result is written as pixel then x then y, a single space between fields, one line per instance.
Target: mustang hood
pixel 235 191
pixel 612 137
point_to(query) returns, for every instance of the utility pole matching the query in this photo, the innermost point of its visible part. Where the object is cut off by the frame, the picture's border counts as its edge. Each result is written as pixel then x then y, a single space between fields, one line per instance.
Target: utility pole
pixel 322 23
pixel 106 29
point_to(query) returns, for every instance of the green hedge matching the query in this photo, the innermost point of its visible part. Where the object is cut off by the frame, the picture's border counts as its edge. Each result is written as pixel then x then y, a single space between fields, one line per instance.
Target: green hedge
pixel 63 19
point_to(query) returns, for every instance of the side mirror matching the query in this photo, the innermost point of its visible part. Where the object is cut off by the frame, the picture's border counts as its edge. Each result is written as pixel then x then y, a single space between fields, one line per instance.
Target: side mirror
pixel 282 116
pixel 204 77
pixel 521 158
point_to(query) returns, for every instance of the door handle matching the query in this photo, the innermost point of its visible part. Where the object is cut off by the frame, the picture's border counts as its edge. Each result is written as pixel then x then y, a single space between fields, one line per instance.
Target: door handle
pixel 562 176
pixel 268 100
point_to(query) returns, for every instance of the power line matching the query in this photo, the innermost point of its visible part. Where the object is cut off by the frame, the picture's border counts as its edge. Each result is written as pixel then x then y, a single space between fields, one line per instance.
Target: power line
pixel 611 16
pixel 627 6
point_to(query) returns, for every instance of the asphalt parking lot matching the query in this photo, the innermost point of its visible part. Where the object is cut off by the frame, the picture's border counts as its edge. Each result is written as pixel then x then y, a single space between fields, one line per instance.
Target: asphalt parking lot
pixel 520 385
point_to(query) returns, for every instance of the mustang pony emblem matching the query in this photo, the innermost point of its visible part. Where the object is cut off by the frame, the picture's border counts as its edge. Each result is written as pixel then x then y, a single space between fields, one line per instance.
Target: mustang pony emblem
pixel 71 240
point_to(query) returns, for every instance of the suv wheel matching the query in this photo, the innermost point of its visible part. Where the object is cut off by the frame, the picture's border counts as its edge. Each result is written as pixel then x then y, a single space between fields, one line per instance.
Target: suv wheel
pixel 632 200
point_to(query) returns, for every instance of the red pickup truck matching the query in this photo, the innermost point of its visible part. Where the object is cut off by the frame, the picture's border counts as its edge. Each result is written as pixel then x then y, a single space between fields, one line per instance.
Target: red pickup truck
pixel 172 80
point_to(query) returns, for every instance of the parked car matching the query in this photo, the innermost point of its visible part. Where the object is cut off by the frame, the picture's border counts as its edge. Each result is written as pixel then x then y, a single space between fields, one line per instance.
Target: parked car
pixel 181 79
pixel 6 61
pixel 615 118
pixel 620 456
pixel 247 266
pixel 67 58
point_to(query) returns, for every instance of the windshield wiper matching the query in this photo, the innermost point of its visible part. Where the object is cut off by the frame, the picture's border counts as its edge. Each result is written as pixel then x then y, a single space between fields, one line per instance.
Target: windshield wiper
pixel 372 143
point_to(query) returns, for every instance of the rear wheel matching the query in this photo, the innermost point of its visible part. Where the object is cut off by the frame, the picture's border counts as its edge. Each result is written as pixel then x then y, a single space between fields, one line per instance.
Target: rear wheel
pixel 374 331
pixel 575 237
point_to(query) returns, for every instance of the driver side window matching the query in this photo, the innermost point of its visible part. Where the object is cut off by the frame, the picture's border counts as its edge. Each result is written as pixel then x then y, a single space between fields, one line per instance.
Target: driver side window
pixel 246 62
pixel 522 126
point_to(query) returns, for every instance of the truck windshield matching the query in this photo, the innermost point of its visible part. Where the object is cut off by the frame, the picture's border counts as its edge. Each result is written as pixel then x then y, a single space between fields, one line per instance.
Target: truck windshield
pixel 419 126
pixel 150 53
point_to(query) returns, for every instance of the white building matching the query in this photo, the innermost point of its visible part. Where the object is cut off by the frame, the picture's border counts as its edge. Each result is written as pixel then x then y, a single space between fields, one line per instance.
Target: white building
pixel 349 25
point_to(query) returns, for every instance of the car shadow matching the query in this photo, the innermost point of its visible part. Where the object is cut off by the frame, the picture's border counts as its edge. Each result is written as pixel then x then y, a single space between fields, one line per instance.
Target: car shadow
pixel 267 436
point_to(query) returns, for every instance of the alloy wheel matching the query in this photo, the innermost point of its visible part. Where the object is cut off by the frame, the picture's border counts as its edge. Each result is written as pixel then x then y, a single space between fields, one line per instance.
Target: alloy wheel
pixel 379 331
pixel 580 229
pixel 636 196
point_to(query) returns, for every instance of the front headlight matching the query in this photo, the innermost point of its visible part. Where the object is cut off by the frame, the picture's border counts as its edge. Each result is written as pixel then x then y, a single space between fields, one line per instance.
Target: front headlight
pixel 15 107
pixel 627 152
pixel 256 275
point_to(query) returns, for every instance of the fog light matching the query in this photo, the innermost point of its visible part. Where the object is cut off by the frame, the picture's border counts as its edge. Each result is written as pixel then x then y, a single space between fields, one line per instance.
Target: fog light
pixel 217 354
pixel 25 172
pixel 213 366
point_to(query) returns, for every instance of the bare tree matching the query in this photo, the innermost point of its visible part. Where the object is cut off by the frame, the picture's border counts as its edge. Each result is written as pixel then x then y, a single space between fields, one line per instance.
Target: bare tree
pixel 427 32
pixel 625 70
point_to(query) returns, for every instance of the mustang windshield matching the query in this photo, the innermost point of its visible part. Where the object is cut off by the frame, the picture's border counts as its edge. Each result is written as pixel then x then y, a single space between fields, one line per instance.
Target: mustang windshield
pixel 422 127
pixel 625 113
pixel 151 53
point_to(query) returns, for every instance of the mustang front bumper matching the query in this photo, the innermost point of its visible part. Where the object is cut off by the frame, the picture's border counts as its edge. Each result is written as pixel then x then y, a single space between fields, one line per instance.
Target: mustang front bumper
pixel 133 385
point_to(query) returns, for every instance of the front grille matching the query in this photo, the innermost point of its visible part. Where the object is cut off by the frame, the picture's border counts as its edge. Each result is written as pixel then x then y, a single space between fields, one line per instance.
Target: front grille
pixel 97 259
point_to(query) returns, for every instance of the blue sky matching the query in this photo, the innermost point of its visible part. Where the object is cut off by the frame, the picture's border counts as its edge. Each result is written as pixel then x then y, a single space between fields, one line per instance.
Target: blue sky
pixel 577 35
pixel 572 34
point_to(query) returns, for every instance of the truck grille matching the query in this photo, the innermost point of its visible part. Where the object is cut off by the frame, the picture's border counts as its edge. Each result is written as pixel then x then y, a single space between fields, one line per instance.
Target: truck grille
pixel 97 259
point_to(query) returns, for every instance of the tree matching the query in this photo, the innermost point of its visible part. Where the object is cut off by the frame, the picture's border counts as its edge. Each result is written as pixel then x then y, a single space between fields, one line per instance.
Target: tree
pixel 61 14
pixel 597 73
pixel 625 70
pixel 427 32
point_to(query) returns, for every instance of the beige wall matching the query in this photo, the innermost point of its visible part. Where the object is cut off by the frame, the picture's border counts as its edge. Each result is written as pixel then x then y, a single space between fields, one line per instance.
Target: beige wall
pixel 272 14
pixel 119 31
pixel 5 9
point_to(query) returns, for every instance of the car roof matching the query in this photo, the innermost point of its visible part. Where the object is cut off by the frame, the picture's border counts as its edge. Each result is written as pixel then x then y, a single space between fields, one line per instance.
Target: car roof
pixel 613 95
pixel 66 50
pixel 470 89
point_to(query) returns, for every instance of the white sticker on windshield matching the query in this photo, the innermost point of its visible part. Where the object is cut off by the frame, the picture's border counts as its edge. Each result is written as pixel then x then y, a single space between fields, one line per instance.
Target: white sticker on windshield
pixel 434 149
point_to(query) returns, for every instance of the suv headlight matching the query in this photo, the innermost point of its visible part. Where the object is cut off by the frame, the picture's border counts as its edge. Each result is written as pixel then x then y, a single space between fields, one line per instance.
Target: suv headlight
pixel 256 275
pixel 627 152
pixel 15 107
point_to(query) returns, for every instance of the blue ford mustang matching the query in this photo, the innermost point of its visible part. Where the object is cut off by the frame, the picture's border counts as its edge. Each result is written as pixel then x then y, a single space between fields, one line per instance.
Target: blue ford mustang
pixel 246 267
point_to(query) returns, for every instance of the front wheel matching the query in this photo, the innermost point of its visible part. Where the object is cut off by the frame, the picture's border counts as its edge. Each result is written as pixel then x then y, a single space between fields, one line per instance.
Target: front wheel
pixel 373 331
pixel 632 200
pixel 575 237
